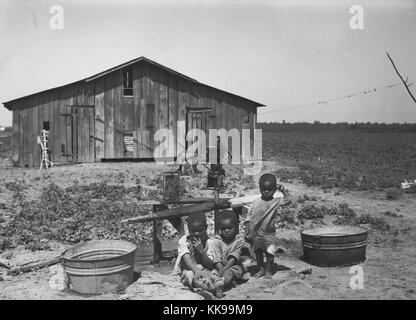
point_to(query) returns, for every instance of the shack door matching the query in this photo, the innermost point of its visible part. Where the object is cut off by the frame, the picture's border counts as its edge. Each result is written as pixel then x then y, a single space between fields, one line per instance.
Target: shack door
pixel 85 133
pixel 78 144
pixel 68 146
pixel 197 119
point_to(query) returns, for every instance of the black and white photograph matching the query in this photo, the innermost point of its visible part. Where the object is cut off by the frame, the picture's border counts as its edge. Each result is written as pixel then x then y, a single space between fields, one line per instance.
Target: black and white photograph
pixel 235 151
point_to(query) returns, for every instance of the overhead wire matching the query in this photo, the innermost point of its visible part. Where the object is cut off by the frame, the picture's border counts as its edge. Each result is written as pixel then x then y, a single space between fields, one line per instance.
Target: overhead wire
pixel 363 92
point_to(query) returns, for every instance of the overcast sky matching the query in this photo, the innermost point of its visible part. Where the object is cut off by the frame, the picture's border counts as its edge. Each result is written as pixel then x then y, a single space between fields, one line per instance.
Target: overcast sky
pixel 283 54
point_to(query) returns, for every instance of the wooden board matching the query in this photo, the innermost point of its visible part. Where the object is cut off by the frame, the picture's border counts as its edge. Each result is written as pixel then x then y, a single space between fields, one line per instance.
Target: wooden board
pixel 183 99
pixel 21 138
pixel 78 127
pixel 34 136
pixel 210 116
pixel 25 137
pixel 83 124
pixel 222 113
pixel 100 119
pixel 45 104
pixel 183 104
pixel 41 106
pixel 89 100
pixel 128 113
pixel 118 121
pixel 137 94
pixel 141 131
pixel 15 136
pixel 29 135
pixel 62 125
pixel 146 82
pixel 86 120
pixel 181 201
pixel 70 154
pixel 152 110
pixel 56 128
pixel 162 113
pixel 145 148
pixel 150 128
pixel 173 108
pixel 179 212
pixel 108 117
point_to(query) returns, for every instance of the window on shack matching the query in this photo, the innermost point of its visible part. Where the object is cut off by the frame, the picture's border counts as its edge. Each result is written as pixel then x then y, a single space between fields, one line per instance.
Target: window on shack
pixel 128 82
pixel 46 125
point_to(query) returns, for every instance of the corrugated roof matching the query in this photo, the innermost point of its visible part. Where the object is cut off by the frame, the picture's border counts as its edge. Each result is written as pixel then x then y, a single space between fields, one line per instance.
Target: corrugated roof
pixel 123 65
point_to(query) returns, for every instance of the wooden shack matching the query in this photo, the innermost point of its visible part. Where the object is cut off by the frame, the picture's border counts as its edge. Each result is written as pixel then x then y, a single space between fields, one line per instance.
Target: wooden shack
pixel 114 114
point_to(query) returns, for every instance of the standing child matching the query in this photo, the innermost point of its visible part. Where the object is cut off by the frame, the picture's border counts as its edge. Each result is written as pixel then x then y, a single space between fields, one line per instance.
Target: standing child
pixel 226 251
pixel 194 251
pixel 260 230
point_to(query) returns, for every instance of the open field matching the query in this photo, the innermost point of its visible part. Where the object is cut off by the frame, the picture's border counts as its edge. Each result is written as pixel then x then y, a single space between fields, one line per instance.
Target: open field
pixel 344 159
pixel 43 212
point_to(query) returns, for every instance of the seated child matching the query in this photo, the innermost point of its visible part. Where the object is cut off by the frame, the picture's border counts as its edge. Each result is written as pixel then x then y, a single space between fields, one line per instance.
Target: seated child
pixel 194 251
pixel 226 251
pixel 260 230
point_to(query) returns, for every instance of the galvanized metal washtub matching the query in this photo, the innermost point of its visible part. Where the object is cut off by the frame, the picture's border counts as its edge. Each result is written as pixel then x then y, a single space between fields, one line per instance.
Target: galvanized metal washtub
pixel 100 266
pixel 334 246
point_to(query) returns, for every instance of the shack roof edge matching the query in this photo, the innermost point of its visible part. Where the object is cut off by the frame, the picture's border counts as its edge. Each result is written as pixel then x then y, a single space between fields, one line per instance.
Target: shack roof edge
pixel 123 65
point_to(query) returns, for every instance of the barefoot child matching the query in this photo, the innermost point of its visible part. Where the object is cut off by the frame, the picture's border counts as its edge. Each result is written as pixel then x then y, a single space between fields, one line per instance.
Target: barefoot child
pixel 226 251
pixel 194 251
pixel 259 224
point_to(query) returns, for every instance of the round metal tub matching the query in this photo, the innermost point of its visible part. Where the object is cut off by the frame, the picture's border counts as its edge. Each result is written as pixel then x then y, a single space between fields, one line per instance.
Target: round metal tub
pixel 99 266
pixel 334 246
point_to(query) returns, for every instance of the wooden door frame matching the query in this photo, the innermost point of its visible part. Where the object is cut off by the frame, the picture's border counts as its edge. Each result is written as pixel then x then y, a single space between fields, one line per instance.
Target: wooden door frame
pixel 75 122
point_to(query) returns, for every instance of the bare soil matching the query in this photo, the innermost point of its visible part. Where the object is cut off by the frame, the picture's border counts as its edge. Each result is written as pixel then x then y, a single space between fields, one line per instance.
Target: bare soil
pixel 389 270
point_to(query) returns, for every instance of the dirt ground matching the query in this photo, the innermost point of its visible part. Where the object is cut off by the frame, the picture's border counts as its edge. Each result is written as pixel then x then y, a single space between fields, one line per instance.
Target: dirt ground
pixel 389 270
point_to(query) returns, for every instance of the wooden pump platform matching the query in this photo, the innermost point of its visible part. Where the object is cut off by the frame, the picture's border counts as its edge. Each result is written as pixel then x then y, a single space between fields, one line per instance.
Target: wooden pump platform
pixel 161 212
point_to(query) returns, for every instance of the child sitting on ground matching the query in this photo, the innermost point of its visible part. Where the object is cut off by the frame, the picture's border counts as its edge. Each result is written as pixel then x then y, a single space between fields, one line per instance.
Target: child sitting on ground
pixel 259 224
pixel 226 251
pixel 194 251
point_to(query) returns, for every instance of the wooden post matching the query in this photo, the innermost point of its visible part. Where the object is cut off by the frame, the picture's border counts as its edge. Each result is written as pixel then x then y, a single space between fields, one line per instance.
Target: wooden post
pixel 157 245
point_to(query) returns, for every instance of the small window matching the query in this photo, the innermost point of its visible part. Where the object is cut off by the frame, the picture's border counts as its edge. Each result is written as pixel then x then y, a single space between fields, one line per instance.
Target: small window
pixel 46 125
pixel 128 82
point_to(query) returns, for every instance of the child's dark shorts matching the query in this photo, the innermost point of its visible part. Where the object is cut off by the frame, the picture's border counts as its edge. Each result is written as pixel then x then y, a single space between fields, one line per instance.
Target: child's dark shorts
pixel 265 243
